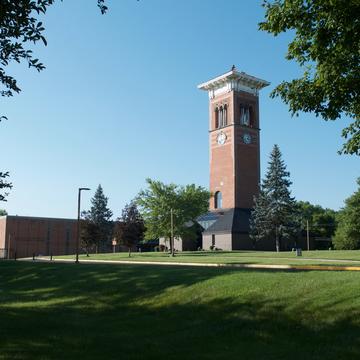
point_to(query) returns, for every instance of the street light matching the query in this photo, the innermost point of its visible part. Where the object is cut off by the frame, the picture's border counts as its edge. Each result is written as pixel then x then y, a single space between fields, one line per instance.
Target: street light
pixel 78 225
pixel 172 242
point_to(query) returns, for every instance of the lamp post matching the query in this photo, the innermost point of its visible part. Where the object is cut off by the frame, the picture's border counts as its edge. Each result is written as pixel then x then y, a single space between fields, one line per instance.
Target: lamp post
pixel 78 225
pixel 172 242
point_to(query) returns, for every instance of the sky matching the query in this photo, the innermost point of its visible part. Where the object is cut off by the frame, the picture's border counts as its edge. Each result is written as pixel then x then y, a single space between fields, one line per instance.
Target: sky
pixel 118 103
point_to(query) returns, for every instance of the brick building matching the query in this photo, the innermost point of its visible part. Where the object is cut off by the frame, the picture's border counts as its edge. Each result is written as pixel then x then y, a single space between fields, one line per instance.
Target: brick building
pixel 26 236
pixel 234 137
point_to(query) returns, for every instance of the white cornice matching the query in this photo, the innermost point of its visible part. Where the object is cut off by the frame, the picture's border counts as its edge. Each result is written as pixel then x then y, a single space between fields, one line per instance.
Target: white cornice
pixel 233 80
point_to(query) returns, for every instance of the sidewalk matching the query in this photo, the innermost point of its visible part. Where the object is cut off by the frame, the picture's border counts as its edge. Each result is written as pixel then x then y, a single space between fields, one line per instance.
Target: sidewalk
pixel 230 266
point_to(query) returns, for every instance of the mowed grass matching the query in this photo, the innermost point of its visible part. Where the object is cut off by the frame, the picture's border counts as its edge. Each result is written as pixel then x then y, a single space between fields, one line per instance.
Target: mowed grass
pixel 103 311
pixel 324 257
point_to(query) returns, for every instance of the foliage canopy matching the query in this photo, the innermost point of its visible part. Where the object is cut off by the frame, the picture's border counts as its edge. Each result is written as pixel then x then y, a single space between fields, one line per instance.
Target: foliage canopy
pixel 21 28
pixel 187 202
pixel 275 214
pixel 100 215
pixel 326 45
pixel 4 184
pixel 129 229
pixel 322 222
pixel 347 235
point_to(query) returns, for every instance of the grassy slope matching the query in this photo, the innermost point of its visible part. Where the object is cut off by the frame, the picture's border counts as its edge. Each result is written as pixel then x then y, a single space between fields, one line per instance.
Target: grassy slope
pixel 56 311
pixel 253 257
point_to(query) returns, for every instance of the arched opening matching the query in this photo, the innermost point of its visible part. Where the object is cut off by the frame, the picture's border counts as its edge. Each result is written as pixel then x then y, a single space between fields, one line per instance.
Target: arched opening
pixel 252 117
pixel 225 115
pixel 221 117
pixel 244 115
pixel 216 118
pixel 218 200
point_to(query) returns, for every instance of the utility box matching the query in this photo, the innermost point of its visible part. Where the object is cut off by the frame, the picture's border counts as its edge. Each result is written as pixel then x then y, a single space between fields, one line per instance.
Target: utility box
pixel 298 252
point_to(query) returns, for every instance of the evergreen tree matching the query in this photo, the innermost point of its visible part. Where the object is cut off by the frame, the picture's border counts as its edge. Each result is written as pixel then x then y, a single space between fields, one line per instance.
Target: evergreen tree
pixel 275 212
pixel 347 236
pixel 259 218
pixel 129 229
pixel 100 215
pixel 90 235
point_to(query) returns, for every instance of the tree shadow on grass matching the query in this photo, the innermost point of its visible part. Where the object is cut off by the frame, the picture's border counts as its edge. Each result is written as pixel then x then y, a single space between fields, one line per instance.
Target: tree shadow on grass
pixel 56 311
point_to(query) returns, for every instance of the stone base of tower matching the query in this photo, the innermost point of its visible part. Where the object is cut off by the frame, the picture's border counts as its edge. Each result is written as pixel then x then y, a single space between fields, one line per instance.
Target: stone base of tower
pixel 228 229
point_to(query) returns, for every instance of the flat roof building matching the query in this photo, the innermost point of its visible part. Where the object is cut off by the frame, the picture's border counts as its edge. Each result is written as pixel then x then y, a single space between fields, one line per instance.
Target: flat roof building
pixel 23 236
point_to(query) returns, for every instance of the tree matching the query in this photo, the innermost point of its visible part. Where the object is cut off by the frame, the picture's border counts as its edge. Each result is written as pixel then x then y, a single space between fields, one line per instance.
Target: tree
pixel 3 212
pixel 129 228
pixel 20 27
pixel 4 185
pixel 275 213
pixel 322 222
pixel 347 235
pixel 187 203
pixel 100 215
pixel 90 235
pixel 326 45
pixel 260 224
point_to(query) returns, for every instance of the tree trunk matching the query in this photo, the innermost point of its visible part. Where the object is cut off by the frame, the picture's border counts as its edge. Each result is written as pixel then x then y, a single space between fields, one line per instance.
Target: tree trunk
pixel 277 240
pixel 129 252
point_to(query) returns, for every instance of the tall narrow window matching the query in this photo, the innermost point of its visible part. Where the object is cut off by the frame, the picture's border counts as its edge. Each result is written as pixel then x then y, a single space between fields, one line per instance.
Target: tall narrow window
pixel 216 118
pixel 221 117
pixel 244 115
pixel 218 200
pixel 225 115
pixel 252 117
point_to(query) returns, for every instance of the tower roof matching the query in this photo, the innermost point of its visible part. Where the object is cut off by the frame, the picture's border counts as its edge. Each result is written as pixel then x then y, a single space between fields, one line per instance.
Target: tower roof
pixel 233 80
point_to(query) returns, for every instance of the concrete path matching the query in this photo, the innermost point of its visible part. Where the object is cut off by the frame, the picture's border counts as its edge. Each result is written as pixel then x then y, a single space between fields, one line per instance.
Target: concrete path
pixel 222 265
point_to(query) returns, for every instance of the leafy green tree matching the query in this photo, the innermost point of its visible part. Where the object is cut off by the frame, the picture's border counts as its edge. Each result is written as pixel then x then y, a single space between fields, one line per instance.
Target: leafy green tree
pixel 129 229
pixel 156 202
pixel 275 213
pixel 347 235
pixel 4 184
pixel 3 212
pixel 20 29
pixel 327 47
pixel 100 215
pixel 322 222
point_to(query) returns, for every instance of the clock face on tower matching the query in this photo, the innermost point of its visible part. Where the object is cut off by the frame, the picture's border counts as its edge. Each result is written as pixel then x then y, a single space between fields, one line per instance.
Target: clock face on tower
pixel 247 138
pixel 221 138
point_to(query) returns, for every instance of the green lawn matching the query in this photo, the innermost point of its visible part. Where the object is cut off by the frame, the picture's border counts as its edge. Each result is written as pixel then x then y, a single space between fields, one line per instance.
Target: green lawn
pixel 325 257
pixel 103 311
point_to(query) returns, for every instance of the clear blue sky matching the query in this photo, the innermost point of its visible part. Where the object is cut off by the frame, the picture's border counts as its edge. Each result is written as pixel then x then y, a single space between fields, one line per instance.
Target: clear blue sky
pixel 118 103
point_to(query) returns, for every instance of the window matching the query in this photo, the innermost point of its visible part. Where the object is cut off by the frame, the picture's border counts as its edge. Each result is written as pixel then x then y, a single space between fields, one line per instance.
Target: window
pixel 216 118
pixel 246 115
pixel 218 200
pixel 221 117
pixel 225 116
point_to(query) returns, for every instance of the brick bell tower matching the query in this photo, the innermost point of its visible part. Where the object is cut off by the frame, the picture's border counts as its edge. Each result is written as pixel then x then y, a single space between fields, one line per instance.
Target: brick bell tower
pixel 234 137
